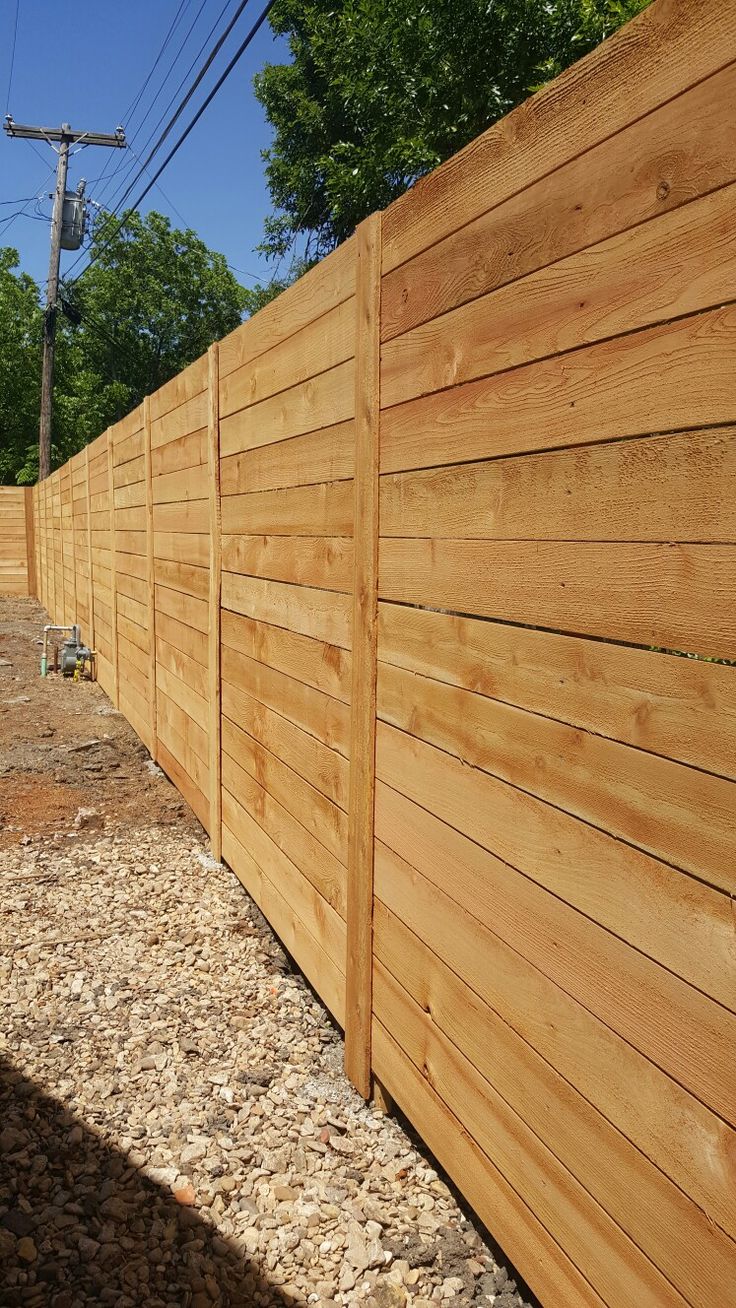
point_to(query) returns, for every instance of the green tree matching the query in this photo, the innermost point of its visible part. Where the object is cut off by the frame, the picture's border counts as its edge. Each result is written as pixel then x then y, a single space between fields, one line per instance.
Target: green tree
pixel 20 370
pixel 153 301
pixel 379 92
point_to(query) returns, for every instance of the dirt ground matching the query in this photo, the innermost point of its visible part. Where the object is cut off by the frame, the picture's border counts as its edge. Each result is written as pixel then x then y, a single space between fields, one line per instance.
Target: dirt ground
pixel 64 747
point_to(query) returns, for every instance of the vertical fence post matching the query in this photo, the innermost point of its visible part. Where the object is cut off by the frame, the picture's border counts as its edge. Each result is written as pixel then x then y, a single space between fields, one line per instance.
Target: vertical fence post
pixel 151 578
pixel 113 570
pixel 30 542
pixel 90 577
pixel 215 587
pixel 359 960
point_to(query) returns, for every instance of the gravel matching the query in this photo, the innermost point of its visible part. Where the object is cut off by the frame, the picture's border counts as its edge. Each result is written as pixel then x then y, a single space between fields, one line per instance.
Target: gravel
pixel 175 1125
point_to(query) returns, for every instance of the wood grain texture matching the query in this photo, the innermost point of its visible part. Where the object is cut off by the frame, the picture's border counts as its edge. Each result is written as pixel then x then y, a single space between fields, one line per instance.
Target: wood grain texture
pixel 150 579
pixel 690 1144
pixel 359 964
pixel 668 1227
pixel 658 488
pixel 680 708
pixel 671 46
pixel 593 214
pixel 675 597
pixel 113 588
pixel 679 814
pixel 663 378
pixel 540 1259
pixel 215 608
pixel 647 1005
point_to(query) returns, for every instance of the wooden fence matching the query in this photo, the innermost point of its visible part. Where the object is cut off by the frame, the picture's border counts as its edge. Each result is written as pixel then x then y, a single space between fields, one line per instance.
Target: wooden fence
pixel 390 584
pixel 17 576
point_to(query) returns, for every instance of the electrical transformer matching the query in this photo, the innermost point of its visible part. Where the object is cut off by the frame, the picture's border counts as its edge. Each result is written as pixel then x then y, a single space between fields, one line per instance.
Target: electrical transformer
pixel 73 217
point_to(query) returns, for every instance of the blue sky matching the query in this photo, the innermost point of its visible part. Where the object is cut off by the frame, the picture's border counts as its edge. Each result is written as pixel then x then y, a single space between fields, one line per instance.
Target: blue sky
pixel 84 63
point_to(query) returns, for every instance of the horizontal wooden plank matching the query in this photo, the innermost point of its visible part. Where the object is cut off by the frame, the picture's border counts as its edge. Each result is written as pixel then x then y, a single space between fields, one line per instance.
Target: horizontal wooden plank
pixel 685 1140
pixel 322 971
pixel 658 488
pixel 182 577
pixel 666 48
pixel 184 667
pixel 322 767
pixel 325 872
pixel 130 653
pixel 319 664
pixel 127 428
pixel 309 806
pixel 656 380
pixel 317 346
pixel 680 708
pixel 180 389
pixel 130 519
pixel 187 609
pixel 322 510
pixel 321 402
pixel 186 729
pixel 316 713
pixel 180 486
pixel 612 1262
pixel 669 1021
pixel 666 1225
pixel 324 455
pixel 182 547
pixel 629 178
pixel 134 587
pixel 197 801
pixel 326 285
pixel 322 561
pixel 132 705
pixel 679 814
pixel 191 642
pixel 184 452
pixel 191 416
pixel 127 474
pixel 192 516
pixel 675 597
pixel 192 764
pixel 539 1258
pixel 183 694
pixel 131 565
pixel 131 608
pixel 325 615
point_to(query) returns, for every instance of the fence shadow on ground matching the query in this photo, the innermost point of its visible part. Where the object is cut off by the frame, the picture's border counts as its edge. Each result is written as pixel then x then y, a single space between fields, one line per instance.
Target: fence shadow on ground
pixel 79 1225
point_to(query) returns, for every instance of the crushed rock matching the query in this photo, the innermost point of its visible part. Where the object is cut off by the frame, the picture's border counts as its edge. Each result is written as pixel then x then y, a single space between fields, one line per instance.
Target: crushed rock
pixel 175 1125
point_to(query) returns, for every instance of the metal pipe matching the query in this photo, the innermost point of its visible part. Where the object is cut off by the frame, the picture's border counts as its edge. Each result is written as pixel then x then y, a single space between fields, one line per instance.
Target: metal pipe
pixel 45 655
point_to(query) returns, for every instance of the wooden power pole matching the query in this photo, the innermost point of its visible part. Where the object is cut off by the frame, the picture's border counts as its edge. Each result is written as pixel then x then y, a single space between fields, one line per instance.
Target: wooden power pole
pixel 66 138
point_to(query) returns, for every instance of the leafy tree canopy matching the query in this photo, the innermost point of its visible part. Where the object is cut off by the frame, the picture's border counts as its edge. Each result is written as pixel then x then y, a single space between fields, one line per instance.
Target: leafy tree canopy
pixel 380 92
pixel 20 365
pixel 151 303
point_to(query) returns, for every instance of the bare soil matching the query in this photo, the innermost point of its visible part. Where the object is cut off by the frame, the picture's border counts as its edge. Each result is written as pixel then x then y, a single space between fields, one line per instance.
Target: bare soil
pixel 64 747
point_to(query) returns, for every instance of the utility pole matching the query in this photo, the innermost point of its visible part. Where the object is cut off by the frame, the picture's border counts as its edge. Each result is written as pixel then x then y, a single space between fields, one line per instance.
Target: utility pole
pixel 66 138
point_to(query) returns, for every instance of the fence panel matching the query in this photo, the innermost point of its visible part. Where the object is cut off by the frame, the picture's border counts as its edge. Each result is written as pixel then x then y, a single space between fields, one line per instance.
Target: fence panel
pixel 14 571
pixel 556 450
pixel 287 405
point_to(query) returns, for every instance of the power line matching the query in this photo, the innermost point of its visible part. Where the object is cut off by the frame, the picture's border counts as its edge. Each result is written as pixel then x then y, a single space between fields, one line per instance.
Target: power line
pixel 183 103
pixel 205 105
pixel 172 98
pixel 130 111
pixel 12 54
